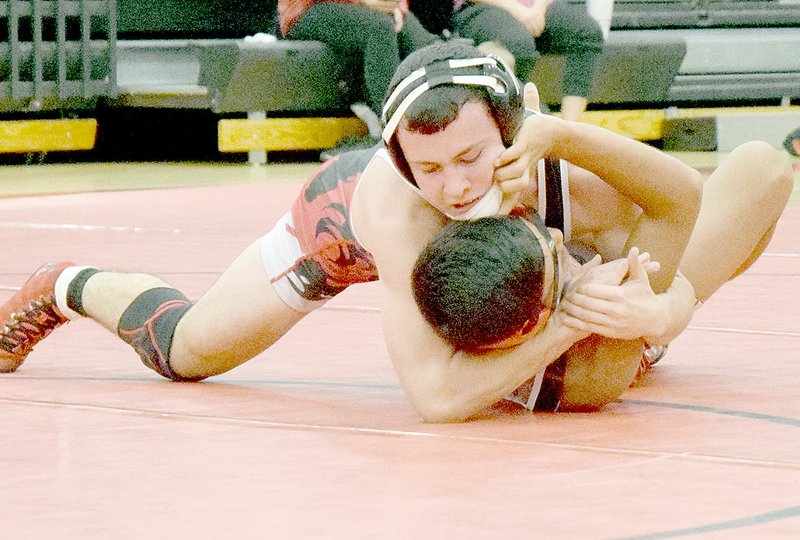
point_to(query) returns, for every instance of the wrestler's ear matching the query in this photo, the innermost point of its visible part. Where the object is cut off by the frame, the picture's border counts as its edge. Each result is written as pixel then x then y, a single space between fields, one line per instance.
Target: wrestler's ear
pixel 531 97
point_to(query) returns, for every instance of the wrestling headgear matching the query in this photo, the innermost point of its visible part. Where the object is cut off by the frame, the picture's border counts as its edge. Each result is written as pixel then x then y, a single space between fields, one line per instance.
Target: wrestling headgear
pixel 488 72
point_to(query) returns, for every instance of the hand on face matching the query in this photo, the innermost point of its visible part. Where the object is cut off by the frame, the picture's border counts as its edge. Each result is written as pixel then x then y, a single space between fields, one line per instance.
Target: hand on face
pixel 615 300
pixel 513 168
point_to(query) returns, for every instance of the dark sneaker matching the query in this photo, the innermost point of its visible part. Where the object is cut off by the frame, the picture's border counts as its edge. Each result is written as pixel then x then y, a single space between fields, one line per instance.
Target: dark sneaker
pixel 792 142
pixel 29 316
pixel 651 354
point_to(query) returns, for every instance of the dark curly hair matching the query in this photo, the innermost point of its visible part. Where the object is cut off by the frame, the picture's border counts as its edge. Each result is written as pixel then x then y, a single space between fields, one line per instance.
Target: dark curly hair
pixel 478 282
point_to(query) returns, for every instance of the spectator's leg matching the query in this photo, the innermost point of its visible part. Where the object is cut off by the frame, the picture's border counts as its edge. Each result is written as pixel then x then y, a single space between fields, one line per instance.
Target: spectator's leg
pixel 414 36
pixel 482 23
pixel 570 31
pixel 355 31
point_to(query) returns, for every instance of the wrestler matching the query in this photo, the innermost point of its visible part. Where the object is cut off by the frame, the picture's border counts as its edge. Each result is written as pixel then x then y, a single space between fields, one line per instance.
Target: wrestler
pixel 451 136
pixel 485 285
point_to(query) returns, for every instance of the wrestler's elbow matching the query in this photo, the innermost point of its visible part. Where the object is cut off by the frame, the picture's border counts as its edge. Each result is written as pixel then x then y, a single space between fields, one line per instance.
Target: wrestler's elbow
pixel 443 409
pixel 441 415
pixel 439 403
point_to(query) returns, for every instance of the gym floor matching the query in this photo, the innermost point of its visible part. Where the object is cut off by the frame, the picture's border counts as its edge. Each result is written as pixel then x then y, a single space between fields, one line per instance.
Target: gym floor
pixel 315 438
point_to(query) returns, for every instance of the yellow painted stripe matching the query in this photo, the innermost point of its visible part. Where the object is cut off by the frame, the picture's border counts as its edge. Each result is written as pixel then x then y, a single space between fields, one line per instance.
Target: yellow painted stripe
pixel 642 125
pixel 722 111
pixel 47 135
pixel 241 135
pixel 647 124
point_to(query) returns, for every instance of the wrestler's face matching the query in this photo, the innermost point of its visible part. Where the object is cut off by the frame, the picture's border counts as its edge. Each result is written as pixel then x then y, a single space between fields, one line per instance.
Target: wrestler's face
pixel 556 259
pixel 454 167
pixel 557 267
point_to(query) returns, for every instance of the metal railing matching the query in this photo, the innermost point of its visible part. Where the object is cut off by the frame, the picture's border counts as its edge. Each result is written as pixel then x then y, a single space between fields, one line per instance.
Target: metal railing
pixel 56 53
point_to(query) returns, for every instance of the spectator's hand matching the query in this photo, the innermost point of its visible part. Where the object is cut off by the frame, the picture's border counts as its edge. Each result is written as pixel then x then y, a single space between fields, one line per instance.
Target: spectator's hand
pixel 532 17
pixel 530 96
pixel 625 310
pixel 384 6
pixel 399 18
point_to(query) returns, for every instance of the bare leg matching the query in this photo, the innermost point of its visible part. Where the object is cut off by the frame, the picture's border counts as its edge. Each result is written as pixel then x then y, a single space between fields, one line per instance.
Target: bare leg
pixel 742 201
pixel 239 317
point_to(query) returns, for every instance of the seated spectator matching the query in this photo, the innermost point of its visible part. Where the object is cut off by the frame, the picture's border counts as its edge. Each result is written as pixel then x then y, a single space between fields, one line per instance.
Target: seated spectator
pixel 527 29
pixel 379 33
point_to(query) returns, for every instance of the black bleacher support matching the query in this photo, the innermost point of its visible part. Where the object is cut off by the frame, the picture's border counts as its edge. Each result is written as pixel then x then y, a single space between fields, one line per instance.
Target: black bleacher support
pixel 644 14
pixel 56 54
pixel 666 14
pixel 751 13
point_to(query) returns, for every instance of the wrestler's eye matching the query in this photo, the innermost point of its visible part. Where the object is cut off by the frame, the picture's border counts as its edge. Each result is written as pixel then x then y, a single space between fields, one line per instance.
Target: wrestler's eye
pixel 471 158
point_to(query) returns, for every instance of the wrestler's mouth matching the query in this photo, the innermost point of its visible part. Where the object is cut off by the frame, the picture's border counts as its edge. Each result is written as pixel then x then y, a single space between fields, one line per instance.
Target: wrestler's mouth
pixel 463 207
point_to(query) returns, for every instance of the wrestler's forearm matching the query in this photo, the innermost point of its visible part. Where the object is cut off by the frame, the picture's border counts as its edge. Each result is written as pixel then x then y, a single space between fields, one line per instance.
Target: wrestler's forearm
pixel 481 381
pixel 659 183
pixel 668 191
pixel 445 386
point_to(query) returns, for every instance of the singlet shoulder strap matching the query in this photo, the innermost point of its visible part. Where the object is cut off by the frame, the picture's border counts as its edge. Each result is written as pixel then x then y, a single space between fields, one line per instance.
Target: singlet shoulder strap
pixel 553 203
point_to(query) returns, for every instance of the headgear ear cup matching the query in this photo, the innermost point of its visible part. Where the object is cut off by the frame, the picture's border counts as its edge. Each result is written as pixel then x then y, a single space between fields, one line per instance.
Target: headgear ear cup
pixel 488 72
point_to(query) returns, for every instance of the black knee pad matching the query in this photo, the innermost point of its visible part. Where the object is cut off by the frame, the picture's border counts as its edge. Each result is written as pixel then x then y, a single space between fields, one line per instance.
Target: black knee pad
pixel 148 325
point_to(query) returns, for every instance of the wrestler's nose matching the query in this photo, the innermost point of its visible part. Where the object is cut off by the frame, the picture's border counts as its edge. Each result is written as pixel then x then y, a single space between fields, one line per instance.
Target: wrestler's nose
pixel 455 185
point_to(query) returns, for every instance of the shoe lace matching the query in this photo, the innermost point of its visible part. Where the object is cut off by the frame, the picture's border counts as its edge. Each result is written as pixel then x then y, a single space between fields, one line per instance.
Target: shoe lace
pixel 26 328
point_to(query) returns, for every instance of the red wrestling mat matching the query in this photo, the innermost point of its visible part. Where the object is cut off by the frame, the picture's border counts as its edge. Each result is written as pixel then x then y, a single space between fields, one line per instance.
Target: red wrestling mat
pixel 315 439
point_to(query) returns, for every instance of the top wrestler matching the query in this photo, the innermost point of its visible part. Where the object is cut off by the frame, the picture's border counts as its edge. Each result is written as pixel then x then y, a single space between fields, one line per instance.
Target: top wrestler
pixel 480 283
pixel 336 235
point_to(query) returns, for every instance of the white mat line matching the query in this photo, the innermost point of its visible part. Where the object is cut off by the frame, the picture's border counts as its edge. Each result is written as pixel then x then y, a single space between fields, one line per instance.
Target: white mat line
pixel 370 309
pixel 117 228
pixel 744 331
pixel 355 430
pixel 82 227
pixel 124 228
pixel 792 255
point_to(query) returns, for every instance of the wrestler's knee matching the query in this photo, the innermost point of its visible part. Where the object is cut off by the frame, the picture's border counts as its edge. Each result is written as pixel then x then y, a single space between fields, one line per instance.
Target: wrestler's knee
pixel 775 176
pixel 598 370
pixel 194 354
pixel 781 174
pixel 148 325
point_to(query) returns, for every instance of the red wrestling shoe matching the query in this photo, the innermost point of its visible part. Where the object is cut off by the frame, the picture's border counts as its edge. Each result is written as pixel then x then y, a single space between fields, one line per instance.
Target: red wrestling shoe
pixel 29 316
